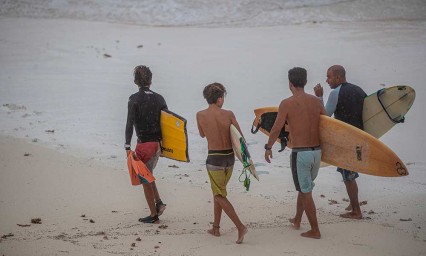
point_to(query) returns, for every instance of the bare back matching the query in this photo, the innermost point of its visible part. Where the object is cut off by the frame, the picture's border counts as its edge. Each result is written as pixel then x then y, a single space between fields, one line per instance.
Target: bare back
pixel 302 113
pixel 214 124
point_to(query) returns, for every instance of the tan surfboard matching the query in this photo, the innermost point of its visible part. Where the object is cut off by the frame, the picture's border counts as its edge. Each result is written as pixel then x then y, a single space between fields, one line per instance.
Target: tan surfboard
pixel 348 147
pixel 345 146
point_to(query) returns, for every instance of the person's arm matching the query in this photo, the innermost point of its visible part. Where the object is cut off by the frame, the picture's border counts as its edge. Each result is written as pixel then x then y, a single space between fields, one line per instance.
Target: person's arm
pixel 322 111
pixel 331 105
pixel 200 129
pixel 164 104
pixel 129 125
pixel 319 92
pixel 276 129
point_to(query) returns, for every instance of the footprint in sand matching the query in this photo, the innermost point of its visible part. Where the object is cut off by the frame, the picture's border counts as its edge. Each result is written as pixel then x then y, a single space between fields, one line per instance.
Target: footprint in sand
pixel 15 107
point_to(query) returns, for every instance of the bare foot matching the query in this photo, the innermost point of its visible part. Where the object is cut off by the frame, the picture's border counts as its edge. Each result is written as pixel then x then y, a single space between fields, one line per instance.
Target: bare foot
pixel 241 233
pixel 351 215
pixel 349 208
pixel 312 234
pixel 295 224
pixel 214 231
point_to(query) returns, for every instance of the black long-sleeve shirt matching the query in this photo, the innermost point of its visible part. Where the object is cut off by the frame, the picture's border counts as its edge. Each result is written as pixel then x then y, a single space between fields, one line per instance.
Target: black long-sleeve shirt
pixel 144 111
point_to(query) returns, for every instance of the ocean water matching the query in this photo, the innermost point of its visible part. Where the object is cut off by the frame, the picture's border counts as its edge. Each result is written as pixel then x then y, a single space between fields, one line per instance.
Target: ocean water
pixel 218 13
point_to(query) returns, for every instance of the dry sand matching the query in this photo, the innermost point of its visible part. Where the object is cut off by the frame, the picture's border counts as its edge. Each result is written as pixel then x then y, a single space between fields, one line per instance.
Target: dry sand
pixel 66 193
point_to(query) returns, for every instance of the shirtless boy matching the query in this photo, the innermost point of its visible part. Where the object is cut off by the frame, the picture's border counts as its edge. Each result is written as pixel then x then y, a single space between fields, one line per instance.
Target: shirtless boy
pixel 302 112
pixel 214 124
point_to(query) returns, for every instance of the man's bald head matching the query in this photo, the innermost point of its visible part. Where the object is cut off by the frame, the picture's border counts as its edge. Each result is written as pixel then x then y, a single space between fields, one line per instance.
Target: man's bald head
pixel 336 75
pixel 338 70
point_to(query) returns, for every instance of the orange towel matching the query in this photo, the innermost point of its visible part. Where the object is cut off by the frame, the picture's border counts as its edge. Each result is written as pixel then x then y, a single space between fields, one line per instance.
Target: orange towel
pixel 139 173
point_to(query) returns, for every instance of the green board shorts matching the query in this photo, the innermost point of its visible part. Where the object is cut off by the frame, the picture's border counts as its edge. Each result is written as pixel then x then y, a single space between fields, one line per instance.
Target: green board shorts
pixel 305 163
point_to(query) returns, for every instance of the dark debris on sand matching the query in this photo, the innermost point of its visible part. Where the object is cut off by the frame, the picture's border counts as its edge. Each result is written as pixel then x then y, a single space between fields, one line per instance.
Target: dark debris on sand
pixel 331 201
pixel 163 226
pixel 24 225
pixel 6 236
pixel 36 221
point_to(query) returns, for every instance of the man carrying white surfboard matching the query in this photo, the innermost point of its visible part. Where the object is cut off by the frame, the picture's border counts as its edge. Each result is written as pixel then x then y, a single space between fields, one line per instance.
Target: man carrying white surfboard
pixel 302 112
pixel 214 123
pixel 346 102
pixel 144 110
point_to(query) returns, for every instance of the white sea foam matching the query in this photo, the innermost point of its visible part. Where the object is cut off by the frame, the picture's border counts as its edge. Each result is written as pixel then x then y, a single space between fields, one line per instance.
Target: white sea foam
pixel 218 13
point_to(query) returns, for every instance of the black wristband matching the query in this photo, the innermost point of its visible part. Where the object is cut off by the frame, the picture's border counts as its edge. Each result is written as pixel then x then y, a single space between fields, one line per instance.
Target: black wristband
pixel 127 148
pixel 266 147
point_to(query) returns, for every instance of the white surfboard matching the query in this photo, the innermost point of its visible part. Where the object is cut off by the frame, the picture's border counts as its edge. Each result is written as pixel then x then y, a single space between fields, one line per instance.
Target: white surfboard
pixel 386 108
pixel 241 150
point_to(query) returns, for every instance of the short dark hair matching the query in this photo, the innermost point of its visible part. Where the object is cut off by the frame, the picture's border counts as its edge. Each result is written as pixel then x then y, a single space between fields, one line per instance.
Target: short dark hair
pixel 297 77
pixel 143 76
pixel 214 91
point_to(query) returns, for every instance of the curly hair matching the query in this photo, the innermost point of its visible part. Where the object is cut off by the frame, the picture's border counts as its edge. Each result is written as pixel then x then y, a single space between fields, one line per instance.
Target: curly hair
pixel 297 77
pixel 214 91
pixel 143 76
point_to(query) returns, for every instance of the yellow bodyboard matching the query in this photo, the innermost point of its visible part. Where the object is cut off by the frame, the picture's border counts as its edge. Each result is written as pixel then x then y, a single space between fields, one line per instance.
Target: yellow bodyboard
pixel 174 144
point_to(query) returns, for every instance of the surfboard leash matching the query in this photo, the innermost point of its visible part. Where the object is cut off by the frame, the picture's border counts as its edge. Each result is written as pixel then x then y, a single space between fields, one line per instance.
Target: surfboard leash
pixel 245 157
pixel 246 181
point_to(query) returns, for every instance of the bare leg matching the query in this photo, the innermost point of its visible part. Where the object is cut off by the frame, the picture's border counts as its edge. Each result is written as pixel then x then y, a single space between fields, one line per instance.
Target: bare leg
pixel 299 212
pixel 149 196
pixel 217 216
pixel 352 189
pixel 230 211
pixel 156 194
pixel 311 213
pixel 161 207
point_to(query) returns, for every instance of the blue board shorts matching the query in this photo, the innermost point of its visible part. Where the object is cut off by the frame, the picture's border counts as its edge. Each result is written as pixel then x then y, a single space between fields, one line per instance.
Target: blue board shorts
pixel 348 175
pixel 305 163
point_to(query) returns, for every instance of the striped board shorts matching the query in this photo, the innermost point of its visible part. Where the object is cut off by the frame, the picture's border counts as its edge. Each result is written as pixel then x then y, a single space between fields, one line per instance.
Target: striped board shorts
pixel 220 164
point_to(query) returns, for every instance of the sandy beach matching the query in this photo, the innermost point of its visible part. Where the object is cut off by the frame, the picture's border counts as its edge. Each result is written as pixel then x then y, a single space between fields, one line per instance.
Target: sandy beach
pixel 64 86
pixel 89 209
